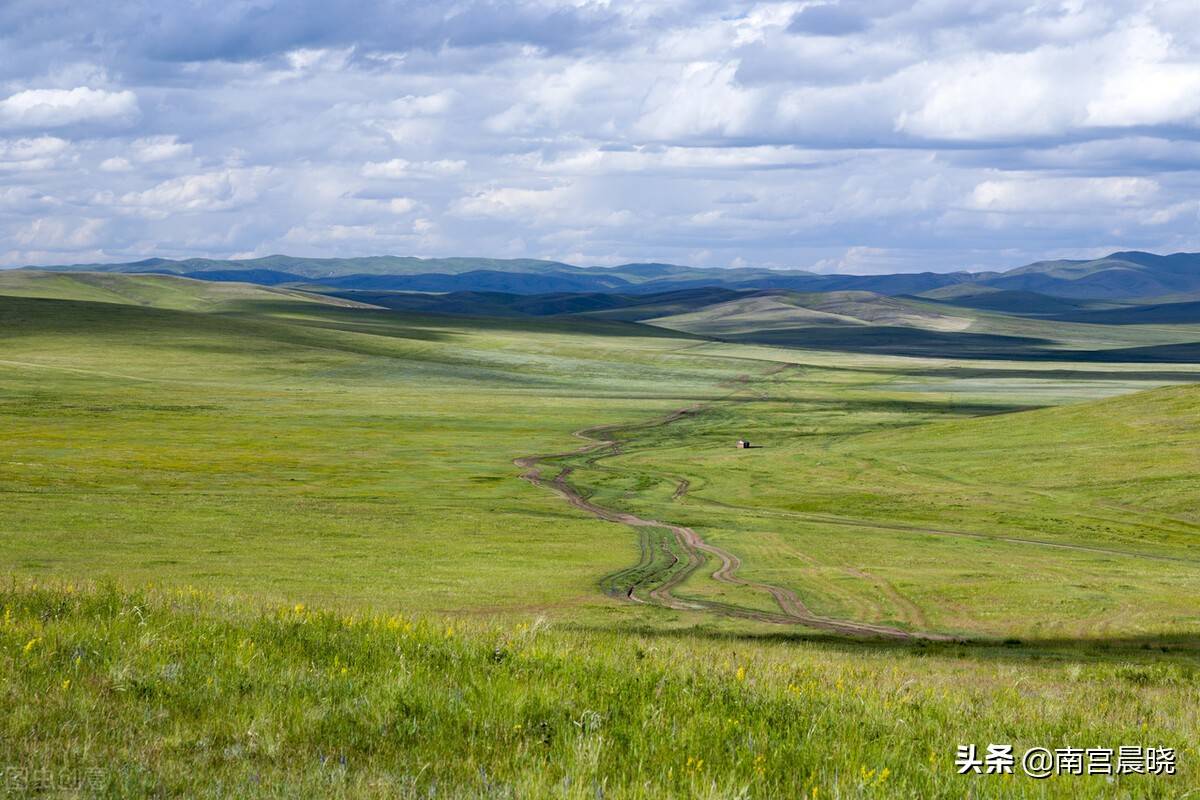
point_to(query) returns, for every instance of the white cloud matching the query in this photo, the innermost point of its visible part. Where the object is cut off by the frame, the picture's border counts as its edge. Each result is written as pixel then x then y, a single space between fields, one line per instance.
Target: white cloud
pixel 115 164
pixel 995 96
pixel 550 97
pixel 683 160
pixel 394 168
pixel 38 153
pixel 1148 94
pixel 159 148
pixel 60 233
pixel 513 203
pixel 1038 194
pixel 565 205
pixel 401 205
pixel 446 166
pixel 704 99
pixel 50 108
pixel 1131 76
pixel 422 105
pixel 858 260
pixel 397 168
pixel 213 191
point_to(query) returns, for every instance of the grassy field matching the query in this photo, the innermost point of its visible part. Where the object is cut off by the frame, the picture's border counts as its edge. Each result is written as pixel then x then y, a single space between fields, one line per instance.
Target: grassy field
pixel 266 545
pixel 363 457
pixel 896 504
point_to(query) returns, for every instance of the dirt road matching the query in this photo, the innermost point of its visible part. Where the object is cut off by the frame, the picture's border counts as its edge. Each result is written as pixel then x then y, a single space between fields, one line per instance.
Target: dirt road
pixel 658 574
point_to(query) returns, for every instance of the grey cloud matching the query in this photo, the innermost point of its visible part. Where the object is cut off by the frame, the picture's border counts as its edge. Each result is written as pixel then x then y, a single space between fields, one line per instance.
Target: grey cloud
pixel 828 19
pixel 852 134
pixel 203 30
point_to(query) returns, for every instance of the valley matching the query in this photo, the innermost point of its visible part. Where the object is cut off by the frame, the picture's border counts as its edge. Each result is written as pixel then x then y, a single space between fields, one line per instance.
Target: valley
pixel 545 489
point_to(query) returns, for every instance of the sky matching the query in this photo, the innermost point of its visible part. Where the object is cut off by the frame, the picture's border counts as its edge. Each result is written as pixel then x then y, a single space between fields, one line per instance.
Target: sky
pixel 864 136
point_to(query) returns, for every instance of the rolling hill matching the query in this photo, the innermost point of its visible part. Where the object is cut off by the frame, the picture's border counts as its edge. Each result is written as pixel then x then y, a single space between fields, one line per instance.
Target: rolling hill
pixel 1126 276
pixel 356 584
pixel 156 291
pixel 624 307
pixel 1122 276
pixel 784 310
pixel 528 276
pixel 1008 301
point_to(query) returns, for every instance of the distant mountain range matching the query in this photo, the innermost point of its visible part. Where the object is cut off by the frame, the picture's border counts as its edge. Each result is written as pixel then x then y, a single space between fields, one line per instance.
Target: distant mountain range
pixel 1120 277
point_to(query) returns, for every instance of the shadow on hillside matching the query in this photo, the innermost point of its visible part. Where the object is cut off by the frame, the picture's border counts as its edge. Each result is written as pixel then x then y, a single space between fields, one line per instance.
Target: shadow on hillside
pixel 916 405
pixel 898 341
pixel 1175 647
pixel 1185 353
pixel 283 321
pixel 895 340
pixel 1055 374
pixel 1186 313
pixel 343 317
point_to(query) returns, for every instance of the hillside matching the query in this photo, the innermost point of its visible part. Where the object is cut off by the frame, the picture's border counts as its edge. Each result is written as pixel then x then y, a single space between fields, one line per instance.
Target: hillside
pixel 1149 314
pixel 157 291
pixel 784 310
pixel 1140 451
pixel 1008 301
pixel 1123 276
pixel 387 553
pixel 530 276
pixel 1119 276
pixel 324 267
pixel 611 306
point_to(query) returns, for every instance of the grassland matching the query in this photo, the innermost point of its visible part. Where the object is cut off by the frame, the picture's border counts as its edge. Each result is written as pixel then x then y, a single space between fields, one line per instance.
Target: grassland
pixel 898 506
pixel 277 547
pixel 176 694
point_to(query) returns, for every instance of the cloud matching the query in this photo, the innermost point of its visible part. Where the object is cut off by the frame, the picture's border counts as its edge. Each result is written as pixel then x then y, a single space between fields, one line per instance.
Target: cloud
pixel 213 191
pixel 393 168
pixel 63 234
pixel 513 203
pixel 210 30
pixel 1148 94
pixel 703 100
pixel 827 19
pixel 37 153
pixel 1129 77
pixel 401 205
pixel 1039 194
pixel 397 168
pixel 115 164
pixel 54 108
pixel 159 148
pixel 855 135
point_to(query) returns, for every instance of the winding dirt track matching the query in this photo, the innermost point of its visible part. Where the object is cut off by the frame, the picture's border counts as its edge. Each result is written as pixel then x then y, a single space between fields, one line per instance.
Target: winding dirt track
pixel 601 441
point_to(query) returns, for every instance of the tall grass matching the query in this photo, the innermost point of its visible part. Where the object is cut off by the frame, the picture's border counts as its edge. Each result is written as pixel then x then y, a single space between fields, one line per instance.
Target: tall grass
pixel 178 693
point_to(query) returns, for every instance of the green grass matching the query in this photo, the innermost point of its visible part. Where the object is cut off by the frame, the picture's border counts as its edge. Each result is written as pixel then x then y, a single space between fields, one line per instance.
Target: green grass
pixel 907 508
pixel 363 456
pixel 247 456
pixel 157 291
pixel 180 694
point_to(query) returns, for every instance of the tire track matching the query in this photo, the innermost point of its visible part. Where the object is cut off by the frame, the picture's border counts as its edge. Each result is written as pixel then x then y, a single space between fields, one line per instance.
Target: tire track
pixel 601 441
